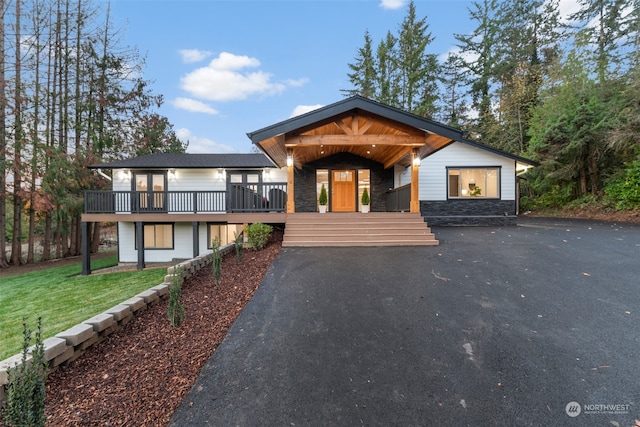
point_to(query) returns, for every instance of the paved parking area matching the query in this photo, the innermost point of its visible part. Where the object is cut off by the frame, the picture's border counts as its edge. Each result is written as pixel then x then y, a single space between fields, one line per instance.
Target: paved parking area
pixel 496 326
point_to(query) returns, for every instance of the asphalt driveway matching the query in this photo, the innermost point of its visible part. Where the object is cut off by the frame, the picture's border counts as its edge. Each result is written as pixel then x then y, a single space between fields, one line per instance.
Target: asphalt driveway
pixel 496 326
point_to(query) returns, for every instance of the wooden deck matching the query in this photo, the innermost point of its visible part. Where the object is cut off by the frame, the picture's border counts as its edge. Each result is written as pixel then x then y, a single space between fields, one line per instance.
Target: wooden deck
pixel 312 229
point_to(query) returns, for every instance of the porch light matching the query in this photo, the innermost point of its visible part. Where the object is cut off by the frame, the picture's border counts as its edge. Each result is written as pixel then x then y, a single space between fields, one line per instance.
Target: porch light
pixel 172 174
pixel 220 174
pixel 416 159
pixel 125 175
pixel 289 160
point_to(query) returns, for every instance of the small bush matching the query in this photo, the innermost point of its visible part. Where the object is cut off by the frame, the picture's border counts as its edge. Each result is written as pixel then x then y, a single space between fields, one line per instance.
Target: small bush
pixel 238 243
pixel 258 234
pixel 365 200
pixel 176 309
pixel 323 198
pixel 217 260
pixel 26 392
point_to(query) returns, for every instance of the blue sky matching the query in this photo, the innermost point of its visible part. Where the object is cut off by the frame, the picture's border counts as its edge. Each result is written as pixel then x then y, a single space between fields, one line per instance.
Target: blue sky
pixel 226 68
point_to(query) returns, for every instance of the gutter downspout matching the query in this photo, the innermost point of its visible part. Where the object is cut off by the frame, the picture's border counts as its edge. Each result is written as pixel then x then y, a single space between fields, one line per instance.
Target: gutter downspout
pixel 102 174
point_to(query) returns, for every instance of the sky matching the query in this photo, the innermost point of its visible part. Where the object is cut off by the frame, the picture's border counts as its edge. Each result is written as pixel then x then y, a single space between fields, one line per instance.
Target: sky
pixel 229 67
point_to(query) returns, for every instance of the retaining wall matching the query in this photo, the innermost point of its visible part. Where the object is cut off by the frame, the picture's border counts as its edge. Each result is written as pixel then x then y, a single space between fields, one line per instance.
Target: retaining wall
pixel 69 345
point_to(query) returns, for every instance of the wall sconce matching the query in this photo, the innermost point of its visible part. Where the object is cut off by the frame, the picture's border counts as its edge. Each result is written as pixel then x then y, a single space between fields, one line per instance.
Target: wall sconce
pixel 172 174
pixel 125 175
pixel 289 159
pixel 416 159
pixel 267 173
pixel 220 174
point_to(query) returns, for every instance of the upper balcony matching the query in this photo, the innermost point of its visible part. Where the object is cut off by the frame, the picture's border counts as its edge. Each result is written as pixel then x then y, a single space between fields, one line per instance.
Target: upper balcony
pixel 263 197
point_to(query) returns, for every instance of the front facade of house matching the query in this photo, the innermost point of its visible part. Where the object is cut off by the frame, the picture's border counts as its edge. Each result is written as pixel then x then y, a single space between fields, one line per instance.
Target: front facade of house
pixel 176 204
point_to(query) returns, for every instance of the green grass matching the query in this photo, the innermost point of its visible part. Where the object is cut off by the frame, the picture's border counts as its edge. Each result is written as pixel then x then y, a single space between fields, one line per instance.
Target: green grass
pixel 63 298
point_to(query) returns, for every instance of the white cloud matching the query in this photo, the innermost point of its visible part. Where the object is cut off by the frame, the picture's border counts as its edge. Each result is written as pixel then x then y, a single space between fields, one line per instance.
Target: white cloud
pixel 192 105
pixel 302 109
pixel 200 144
pixel 194 55
pixel 392 4
pixel 225 79
pixel 566 8
pixel 455 50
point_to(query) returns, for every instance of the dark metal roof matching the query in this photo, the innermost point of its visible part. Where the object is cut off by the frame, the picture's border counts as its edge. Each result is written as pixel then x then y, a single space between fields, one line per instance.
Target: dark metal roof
pixel 191 161
pixel 358 102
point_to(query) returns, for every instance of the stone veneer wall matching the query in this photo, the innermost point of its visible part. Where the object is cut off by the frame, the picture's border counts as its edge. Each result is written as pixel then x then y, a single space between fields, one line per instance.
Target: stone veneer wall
pixel 469 212
pixel 305 180
pixel 69 345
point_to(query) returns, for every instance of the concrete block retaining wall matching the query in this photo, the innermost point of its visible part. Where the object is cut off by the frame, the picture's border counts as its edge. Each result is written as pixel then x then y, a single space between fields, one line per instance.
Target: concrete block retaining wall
pixel 69 345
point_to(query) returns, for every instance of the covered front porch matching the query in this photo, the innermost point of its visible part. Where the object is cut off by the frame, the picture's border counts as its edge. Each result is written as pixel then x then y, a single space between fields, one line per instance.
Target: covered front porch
pixel 349 146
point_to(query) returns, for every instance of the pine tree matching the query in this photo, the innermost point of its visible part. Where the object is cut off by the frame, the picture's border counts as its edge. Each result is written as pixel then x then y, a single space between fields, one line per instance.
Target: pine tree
pixel 363 75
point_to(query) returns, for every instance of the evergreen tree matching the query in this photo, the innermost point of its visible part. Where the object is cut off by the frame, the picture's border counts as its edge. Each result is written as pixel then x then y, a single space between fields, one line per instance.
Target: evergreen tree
pixel 602 26
pixel 477 49
pixel 402 74
pixel 453 105
pixel 363 75
pixel 418 70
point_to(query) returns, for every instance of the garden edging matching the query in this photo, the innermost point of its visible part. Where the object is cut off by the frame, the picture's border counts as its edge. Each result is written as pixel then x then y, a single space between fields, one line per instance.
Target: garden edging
pixel 69 345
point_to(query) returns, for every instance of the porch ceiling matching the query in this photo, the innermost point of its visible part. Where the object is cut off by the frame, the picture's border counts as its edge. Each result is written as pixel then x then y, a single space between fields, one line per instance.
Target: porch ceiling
pixel 358 132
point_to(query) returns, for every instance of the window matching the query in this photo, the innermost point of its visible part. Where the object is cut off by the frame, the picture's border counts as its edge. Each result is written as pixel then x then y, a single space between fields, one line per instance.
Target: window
pixel 322 177
pixel 364 181
pixel 474 182
pixel 157 236
pixel 225 232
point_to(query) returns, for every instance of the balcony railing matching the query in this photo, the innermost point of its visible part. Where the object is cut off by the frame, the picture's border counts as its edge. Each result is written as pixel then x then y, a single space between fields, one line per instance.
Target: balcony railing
pixel 239 198
pixel 399 199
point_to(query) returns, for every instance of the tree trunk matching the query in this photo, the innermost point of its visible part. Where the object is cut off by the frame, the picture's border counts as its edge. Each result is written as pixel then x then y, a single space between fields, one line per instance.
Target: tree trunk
pixel 46 242
pixel 3 148
pixel 16 247
pixel 95 240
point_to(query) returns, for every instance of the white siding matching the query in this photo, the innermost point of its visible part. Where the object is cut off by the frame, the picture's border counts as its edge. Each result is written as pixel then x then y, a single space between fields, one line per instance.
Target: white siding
pixel 197 180
pixel 433 170
pixel 275 175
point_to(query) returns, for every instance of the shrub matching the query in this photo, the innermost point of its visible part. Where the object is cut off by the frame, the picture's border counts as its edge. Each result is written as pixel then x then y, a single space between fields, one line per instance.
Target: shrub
pixel 217 260
pixel 238 243
pixel 624 190
pixel 258 234
pixel 26 391
pixel 323 198
pixel 365 200
pixel 176 309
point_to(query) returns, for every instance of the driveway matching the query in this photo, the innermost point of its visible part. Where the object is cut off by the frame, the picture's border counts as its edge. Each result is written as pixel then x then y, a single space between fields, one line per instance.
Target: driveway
pixel 496 326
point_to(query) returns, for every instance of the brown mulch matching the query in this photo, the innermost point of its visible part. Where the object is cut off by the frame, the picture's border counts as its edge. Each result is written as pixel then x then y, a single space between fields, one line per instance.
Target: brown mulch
pixel 140 374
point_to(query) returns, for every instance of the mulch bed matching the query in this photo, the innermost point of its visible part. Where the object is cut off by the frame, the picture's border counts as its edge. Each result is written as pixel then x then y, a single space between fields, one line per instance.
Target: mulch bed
pixel 140 374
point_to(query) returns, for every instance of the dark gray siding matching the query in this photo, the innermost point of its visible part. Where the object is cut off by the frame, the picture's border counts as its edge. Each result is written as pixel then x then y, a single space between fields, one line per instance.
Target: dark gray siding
pixel 469 212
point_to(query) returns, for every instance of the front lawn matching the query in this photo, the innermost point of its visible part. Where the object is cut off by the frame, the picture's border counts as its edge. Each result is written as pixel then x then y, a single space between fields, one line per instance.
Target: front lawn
pixel 63 298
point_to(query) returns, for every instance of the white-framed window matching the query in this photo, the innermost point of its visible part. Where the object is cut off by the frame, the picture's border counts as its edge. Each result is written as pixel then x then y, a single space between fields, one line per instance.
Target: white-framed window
pixel 473 182
pixel 157 236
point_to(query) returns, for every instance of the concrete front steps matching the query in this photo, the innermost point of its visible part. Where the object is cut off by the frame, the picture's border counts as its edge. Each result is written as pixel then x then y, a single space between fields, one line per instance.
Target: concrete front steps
pixel 357 229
